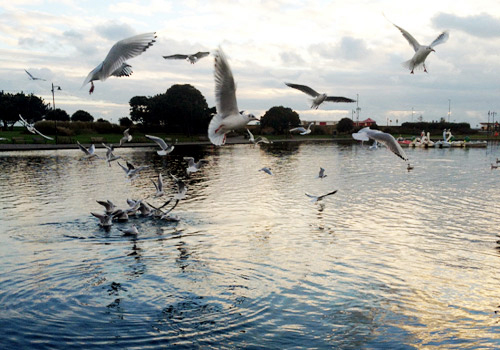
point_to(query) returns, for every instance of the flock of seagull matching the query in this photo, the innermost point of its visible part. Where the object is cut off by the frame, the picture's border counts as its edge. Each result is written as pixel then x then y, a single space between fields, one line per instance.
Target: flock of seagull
pixel 228 117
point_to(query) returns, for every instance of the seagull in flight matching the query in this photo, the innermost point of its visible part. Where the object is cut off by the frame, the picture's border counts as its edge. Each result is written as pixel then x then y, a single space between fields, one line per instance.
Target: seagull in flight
pixel 126 137
pixel 317 97
pixel 267 170
pixel 228 115
pixel 31 128
pixel 165 147
pixel 109 154
pixel 256 141
pixel 114 64
pixel 315 199
pixel 194 167
pixel 386 139
pixel 421 51
pixel 131 171
pixel 190 58
pixel 302 130
pixel 32 77
pixel 158 186
pixel 89 153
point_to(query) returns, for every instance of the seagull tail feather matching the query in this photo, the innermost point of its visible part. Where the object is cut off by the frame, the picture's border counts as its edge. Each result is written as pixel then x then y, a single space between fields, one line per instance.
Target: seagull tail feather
pixel 217 138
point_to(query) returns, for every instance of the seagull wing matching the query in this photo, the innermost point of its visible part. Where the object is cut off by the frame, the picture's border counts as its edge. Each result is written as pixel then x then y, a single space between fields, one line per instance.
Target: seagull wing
pixel 176 57
pixel 32 77
pixel 160 182
pixel 124 50
pixel 201 54
pixel 23 120
pixel 158 140
pixel 190 161
pixel 411 40
pixel 42 135
pixel 84 150
pixel 328 194
pixel 441 39
pixel 389 141
pixel 339 99
pixel 303 88
pixel 225 88
pixel 300 128
pixel 125 70
pixel 360 136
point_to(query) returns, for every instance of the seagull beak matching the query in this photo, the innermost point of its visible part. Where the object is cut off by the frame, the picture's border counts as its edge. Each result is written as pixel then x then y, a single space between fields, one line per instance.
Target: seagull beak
pixel 433 50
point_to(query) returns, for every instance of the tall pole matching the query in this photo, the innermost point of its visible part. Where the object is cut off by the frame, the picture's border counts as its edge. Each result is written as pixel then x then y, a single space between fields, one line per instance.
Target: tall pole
pixel 54 105
pixel 449 109
pixel 357 109
pixel 412 111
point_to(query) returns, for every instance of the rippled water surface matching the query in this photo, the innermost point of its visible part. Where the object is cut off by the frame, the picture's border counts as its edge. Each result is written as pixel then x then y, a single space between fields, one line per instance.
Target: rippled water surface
pixel 395 259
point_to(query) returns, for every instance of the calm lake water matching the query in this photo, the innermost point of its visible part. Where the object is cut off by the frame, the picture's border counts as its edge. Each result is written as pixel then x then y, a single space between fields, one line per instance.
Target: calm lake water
pixel 395 259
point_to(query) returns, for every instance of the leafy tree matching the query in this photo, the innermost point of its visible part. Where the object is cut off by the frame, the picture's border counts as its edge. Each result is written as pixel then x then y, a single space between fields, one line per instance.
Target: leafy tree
pixel 345 125
pixel 57 114
pixel 126 122
pixel 184 109
pixel 82 116
pixel 280 118
pixel 31 107
pixel 139 109
pixel 101 120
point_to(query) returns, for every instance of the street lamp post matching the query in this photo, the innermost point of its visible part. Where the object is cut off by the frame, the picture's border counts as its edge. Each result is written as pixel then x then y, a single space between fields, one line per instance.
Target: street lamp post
pixel 54 103
pixel 449 109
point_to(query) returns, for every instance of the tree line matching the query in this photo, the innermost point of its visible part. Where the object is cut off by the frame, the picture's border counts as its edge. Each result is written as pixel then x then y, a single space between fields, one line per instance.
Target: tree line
pixel 181 109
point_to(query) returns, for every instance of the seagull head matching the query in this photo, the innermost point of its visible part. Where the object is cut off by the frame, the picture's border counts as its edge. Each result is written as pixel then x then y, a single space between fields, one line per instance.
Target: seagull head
pixel 250 117
pixel 429 48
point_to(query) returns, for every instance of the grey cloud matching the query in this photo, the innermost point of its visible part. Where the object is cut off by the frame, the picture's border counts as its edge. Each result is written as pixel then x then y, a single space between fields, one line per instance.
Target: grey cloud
pixel 289 57
pixel 31 42
pixel 349 48
pixel 482 25
pixel 115 31
pixel 73 34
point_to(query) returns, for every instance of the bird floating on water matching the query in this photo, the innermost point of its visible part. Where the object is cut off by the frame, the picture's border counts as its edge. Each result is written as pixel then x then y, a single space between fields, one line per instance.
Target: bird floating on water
pixel 317 97
pixel 322 174
pixel 131 231
pixel 190 58
pixel 31 128
pixel 228 115
pixel 421 51
pixel 387 139
pixel 114 64
pixel 409 167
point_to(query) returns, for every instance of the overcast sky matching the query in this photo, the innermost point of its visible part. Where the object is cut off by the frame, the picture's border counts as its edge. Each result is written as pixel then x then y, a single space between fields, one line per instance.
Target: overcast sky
pixel 343 48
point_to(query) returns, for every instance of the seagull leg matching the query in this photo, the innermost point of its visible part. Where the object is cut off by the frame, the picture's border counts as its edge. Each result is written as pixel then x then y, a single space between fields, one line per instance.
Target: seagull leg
pixel 425 69
pixel 91 88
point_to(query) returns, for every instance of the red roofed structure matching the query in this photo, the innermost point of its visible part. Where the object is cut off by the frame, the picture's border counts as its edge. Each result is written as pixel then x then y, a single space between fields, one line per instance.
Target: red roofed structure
pixel 367 122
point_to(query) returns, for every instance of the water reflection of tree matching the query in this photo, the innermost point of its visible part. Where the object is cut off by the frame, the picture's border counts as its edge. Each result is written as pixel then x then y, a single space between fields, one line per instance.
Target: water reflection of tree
pixel 281 149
